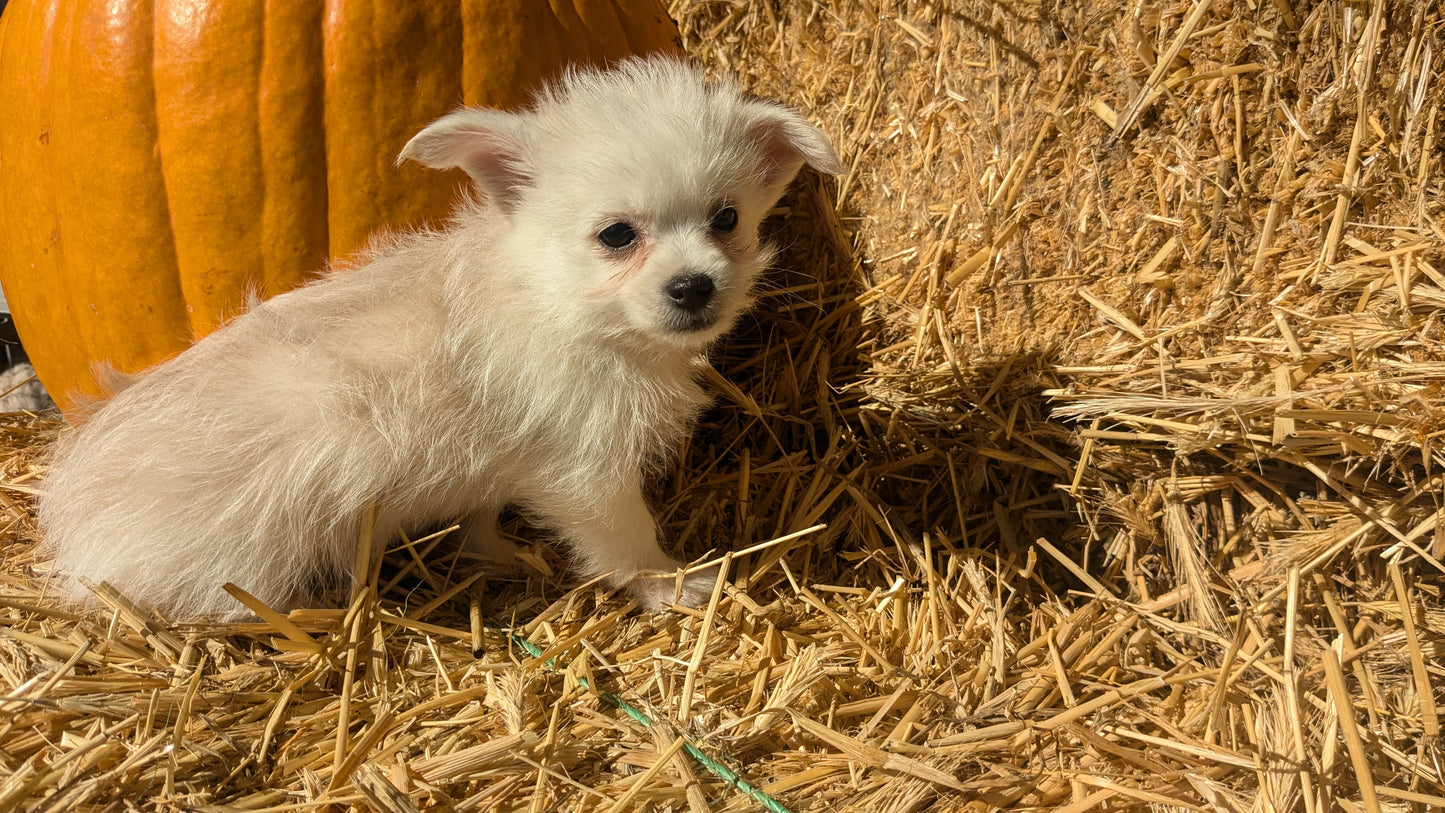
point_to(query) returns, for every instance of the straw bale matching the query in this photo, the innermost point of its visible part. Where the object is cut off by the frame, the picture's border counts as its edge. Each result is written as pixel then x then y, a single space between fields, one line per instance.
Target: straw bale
pixel 1110 371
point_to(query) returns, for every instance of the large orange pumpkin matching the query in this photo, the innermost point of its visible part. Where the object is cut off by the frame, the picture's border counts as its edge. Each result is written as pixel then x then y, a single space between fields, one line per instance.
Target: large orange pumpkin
pixel 161 158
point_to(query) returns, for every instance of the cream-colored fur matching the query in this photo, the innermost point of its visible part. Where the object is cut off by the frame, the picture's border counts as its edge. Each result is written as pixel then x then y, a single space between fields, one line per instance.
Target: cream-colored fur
pixel 513 358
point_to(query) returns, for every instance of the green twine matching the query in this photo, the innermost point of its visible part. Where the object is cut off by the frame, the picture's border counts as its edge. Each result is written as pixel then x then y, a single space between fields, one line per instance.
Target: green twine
pixel 713 766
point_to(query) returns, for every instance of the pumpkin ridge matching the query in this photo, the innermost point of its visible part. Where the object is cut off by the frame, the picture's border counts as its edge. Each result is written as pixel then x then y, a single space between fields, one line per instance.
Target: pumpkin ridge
pixel 121 248
pixel 27 159
pixel 295 232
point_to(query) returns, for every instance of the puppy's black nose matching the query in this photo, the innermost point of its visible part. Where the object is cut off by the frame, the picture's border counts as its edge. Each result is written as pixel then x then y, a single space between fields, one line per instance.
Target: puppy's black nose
pixel 690 292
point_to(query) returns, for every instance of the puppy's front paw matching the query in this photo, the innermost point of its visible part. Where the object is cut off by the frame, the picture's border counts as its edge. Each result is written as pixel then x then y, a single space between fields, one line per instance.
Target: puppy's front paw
pixel 657 590
pixel 480 536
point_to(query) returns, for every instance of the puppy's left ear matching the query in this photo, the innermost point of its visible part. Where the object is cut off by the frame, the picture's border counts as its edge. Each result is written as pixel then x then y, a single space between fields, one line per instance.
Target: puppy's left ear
pixel 492 147
pixel 787 142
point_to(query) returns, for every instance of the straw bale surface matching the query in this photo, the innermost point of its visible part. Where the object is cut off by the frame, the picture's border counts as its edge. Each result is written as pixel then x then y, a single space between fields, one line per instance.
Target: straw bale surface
pixel 1113 369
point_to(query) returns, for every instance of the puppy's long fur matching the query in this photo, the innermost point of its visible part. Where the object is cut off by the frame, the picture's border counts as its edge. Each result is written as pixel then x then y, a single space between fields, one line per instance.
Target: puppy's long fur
pixel 541 351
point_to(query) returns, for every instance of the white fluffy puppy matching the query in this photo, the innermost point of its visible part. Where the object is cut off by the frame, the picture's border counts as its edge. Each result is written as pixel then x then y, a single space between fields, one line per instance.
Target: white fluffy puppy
pixel 540 352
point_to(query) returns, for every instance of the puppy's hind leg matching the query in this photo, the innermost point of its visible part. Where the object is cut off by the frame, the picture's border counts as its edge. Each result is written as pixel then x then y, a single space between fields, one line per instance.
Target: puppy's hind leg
pixel 618 536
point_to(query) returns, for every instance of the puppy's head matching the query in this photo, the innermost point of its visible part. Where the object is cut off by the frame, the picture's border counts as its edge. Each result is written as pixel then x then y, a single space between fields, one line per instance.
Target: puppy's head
pixel 636 193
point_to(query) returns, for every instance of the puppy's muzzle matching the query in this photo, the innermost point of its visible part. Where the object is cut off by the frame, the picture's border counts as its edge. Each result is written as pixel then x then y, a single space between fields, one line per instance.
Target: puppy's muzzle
pixel 691 296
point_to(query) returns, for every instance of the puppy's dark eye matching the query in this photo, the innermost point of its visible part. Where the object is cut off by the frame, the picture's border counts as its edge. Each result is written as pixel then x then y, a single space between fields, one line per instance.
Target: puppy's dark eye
pixel 725 220
pixel 618 235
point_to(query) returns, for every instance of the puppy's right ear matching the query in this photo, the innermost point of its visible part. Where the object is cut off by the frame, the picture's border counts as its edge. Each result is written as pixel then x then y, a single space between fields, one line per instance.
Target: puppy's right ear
pixel 489 144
